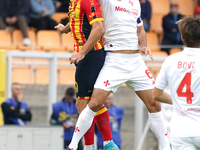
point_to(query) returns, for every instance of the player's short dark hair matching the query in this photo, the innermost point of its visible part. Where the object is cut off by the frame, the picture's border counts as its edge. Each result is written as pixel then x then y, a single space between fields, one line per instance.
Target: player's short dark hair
pixel 70 91
pixel 189 27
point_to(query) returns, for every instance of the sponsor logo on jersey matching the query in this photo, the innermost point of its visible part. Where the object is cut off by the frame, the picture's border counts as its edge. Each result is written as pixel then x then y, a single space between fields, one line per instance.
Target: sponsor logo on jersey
pixel 121 9
pixel 131 3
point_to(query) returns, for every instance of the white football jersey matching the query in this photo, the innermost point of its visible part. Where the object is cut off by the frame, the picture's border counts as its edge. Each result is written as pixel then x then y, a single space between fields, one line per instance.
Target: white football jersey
pixel 181 72
pixel 121 18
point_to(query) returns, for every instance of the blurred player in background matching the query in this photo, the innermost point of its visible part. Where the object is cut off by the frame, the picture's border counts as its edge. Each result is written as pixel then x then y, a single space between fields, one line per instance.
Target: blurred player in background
pixel 85 24
pixel 181 72
pixel 65 114
pixel 124 33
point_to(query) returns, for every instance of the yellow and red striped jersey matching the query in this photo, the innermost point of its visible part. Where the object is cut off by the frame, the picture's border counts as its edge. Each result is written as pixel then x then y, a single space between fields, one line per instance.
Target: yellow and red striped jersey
pixel 82 13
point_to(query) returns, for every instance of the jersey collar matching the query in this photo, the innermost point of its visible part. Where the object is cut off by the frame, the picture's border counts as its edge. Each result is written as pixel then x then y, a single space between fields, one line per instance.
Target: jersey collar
pixel 191 50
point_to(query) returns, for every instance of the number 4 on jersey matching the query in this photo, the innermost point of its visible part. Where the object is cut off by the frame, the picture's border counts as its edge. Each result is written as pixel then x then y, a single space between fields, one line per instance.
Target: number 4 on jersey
pixel 188 94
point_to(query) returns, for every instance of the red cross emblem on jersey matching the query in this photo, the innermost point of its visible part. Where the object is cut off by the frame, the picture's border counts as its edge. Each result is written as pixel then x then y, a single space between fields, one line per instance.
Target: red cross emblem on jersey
pixel 77 130
pixel 106 83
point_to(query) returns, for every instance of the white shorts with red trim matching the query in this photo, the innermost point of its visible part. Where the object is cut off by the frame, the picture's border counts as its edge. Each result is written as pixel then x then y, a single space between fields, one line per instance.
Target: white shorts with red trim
pixel 124 68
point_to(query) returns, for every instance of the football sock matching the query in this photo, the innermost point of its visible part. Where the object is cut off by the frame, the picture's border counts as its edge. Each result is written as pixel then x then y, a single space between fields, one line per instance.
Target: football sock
pixel 103 123
pixel 106 142
pixel 89 135
pixel 89 147
pixel 158 127
pixel 84 122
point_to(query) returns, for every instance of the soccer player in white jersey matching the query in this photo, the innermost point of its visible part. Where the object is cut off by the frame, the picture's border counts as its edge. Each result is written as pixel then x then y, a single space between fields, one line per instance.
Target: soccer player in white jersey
pixel 181 72
pixel 124 36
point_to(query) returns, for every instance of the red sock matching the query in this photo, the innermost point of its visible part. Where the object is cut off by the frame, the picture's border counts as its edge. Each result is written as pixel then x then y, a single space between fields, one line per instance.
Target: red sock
pixel 89 135
pixel 103 123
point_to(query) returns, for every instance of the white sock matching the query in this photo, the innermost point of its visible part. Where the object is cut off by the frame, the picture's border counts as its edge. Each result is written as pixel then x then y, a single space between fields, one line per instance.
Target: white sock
pixel 89 147
pixel 106 142
pixel 158 127
pixel 84 122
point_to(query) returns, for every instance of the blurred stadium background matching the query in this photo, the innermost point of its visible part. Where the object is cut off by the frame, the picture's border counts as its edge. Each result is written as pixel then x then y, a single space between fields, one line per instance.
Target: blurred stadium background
pixel 32 66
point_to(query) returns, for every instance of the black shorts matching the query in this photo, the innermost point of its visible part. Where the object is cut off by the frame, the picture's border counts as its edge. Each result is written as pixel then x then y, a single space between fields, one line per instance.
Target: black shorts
pixel 87 71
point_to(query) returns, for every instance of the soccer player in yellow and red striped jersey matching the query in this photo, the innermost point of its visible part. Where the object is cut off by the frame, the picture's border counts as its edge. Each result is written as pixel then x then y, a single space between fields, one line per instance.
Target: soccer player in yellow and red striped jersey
pixel 85 24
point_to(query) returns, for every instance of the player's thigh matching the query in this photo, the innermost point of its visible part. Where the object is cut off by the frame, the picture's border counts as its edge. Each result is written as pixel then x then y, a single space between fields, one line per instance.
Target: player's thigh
pixel 147 97
pixel 181 143
pixel 109 79
pixel 140 79
pixel 87 72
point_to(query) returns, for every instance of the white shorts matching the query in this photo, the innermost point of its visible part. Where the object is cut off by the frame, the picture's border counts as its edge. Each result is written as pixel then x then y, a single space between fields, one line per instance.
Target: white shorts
pixel 185 143
pixel 124 68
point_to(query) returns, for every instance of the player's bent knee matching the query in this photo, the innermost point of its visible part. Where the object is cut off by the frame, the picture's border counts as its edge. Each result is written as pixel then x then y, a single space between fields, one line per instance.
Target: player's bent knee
pixel 95 106
pixel 153 106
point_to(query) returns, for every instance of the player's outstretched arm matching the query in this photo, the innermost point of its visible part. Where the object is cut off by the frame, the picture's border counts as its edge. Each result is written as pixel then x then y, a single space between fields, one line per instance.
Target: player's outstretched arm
pixel 142 41
pixel 63 29
pixel 161 96
pixel 95 34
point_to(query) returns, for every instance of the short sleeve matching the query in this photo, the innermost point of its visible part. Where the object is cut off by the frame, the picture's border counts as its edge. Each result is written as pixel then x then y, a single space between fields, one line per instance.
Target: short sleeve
pixel 139 22
pixel 139 19
pixel 161 80
pixel 92 8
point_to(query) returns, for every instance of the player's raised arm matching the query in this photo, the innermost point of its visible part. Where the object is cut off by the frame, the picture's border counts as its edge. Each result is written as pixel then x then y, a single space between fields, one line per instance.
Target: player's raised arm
pixel 63 29
pixel 142 41
pixel 95 35
pixel 161 96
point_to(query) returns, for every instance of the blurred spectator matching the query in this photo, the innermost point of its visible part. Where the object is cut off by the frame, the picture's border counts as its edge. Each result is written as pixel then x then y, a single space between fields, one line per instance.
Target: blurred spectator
pixel 13 13
pixel 197 12
pixel 40 14
pixel 65 113
pixel 15 110
pixel 115 115
pixel 146 13
pixel 62 5
pixel 198 3
pixel 172 35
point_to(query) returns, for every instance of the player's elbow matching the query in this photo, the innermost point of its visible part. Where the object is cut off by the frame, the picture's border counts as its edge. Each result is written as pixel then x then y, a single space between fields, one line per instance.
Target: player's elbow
pixel 102 31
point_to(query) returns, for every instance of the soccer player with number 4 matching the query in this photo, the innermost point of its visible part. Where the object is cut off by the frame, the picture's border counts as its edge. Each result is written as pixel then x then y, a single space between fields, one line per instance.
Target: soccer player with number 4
pixel 123 40
pixel 181 72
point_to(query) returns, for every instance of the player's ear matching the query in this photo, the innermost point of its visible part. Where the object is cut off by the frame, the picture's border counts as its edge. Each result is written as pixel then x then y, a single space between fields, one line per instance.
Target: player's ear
pixel 182 38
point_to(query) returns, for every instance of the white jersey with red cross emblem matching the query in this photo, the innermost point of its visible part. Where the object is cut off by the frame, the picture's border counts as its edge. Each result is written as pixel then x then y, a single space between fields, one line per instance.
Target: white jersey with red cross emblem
pixel 181 72
pixel 121 19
